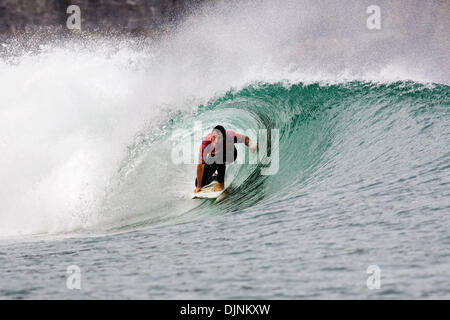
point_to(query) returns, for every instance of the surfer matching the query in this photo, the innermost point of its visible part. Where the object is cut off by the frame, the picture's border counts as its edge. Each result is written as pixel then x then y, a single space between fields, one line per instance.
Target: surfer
pixel 216 150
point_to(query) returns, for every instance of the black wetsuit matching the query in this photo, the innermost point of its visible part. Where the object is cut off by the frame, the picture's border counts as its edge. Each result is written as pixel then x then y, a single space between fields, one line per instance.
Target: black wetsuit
pixel 209 172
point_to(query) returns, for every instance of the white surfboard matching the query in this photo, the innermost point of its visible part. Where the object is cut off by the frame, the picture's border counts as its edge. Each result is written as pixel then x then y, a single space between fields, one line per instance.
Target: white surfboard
pixel 206 193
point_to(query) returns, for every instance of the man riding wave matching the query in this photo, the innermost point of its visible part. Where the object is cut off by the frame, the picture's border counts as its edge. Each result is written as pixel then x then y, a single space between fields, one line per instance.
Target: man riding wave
pixel 216 150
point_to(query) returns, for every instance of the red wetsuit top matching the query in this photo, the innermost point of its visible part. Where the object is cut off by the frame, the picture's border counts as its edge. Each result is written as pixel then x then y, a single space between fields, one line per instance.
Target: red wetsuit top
pixel 231 136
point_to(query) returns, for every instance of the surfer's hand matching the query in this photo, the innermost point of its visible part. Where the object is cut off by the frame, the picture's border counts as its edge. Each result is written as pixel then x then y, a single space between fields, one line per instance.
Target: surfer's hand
pixel 197 189
pixel 253 148
pixel 217 187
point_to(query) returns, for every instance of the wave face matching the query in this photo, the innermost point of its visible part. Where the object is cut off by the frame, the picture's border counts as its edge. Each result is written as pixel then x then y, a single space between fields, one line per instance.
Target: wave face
pixel 355 147
pixel 88 127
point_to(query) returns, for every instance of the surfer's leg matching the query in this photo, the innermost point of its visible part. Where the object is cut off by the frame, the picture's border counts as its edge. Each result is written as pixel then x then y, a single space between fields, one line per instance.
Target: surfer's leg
pixel 221 169
pixel 210 169
pixel 221 173
pixel 208 174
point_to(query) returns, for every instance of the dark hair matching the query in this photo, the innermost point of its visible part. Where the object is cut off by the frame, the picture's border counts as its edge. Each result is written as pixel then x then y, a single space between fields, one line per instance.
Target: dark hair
pixel 221 129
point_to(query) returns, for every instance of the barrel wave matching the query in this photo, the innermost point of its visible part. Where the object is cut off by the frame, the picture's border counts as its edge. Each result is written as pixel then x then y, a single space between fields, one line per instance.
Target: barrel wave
pixel 97 120
pixel 99 138
pixel 354 148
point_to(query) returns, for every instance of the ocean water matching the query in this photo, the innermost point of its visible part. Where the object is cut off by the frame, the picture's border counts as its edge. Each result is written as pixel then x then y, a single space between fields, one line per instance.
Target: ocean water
pixel 99 138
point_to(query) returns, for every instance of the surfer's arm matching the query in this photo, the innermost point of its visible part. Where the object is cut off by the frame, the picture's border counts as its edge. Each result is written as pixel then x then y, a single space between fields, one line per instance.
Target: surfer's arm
pixel 252 147
pixel 201 164
pixel 240 138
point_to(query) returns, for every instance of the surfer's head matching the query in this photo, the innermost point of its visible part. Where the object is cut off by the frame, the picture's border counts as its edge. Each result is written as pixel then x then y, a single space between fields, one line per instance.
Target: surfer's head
pixel 218 134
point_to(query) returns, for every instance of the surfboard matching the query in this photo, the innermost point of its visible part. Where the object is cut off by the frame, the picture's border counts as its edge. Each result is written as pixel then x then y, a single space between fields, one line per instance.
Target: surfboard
pixel 206 193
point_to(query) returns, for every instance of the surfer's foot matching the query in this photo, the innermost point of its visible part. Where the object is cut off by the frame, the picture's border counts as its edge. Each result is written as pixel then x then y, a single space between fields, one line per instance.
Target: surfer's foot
pixel 218 187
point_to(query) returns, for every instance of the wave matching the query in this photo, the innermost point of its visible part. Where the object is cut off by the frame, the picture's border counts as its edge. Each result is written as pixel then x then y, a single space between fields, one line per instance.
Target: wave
pixel 87 126
pixel 330 136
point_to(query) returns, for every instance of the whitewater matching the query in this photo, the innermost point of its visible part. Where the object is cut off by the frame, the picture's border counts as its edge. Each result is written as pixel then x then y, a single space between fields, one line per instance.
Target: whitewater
pixel 89 127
